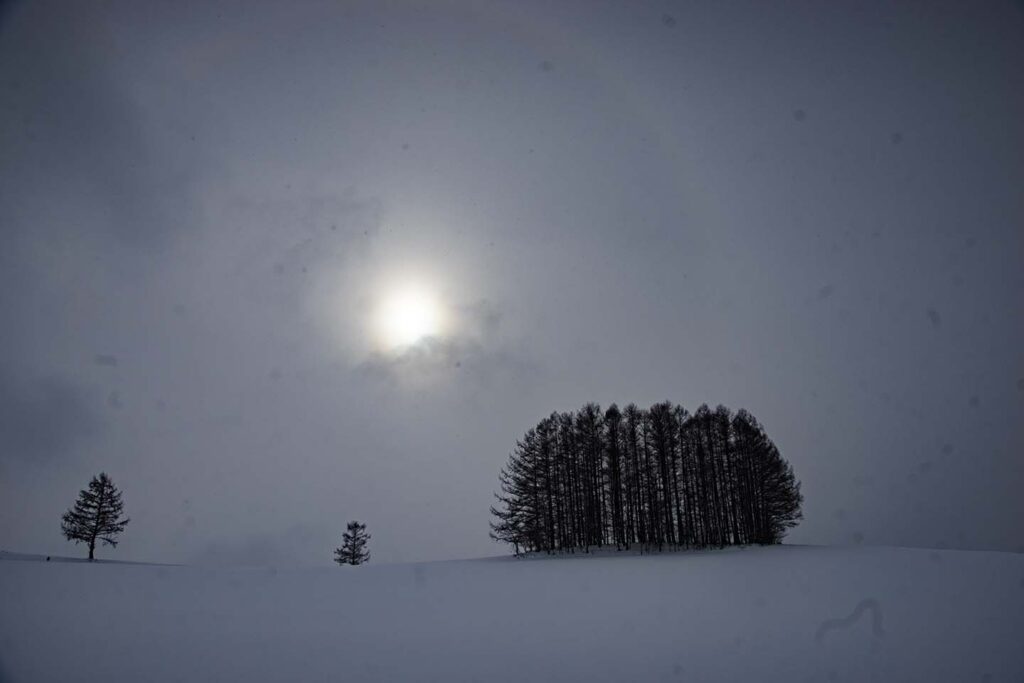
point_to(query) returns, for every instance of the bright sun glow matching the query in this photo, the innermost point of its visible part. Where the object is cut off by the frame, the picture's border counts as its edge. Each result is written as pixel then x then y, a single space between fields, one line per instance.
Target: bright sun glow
pixel 407 316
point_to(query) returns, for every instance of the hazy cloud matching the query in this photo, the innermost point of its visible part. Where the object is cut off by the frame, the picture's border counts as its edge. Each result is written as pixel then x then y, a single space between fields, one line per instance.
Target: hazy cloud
pixel 42 419
pixel 203 205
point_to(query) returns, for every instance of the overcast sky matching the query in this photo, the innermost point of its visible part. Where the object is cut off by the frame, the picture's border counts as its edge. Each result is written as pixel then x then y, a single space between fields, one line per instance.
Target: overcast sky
pixel 813 211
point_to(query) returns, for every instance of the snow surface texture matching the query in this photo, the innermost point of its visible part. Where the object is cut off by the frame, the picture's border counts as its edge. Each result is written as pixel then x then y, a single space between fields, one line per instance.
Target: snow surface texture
pixel 760 614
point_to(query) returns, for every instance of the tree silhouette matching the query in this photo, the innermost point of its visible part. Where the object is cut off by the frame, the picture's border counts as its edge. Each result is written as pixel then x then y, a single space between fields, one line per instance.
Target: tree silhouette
pixel 353 545
pixel 656 478
pixel 96 515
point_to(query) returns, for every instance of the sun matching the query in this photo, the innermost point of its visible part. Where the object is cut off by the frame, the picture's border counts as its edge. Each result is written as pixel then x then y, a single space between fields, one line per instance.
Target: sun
pixel 408 315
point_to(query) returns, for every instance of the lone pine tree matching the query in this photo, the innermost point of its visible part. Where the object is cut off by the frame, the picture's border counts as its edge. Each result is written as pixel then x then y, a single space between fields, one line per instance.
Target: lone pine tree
pixel 96 515
pixel 353 545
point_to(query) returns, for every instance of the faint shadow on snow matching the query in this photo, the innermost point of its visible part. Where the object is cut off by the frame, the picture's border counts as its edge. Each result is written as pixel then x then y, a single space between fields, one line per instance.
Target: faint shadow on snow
pixel 867 605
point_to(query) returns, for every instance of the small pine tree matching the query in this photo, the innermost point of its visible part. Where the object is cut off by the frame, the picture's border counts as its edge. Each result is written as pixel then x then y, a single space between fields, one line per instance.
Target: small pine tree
pixel 353 545
pixel 96 515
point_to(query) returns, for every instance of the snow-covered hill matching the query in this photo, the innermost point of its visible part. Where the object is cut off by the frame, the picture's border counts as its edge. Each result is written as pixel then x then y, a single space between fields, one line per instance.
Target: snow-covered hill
pixel 760 614
pixel 28 557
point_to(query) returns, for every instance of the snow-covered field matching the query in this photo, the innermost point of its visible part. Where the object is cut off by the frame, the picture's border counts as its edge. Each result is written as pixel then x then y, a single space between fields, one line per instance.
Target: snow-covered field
pixel 761 614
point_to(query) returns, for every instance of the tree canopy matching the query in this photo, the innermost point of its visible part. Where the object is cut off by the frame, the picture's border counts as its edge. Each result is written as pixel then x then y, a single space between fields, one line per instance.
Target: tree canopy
pixel 656 478
pixel 353 545
pixel 96 515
